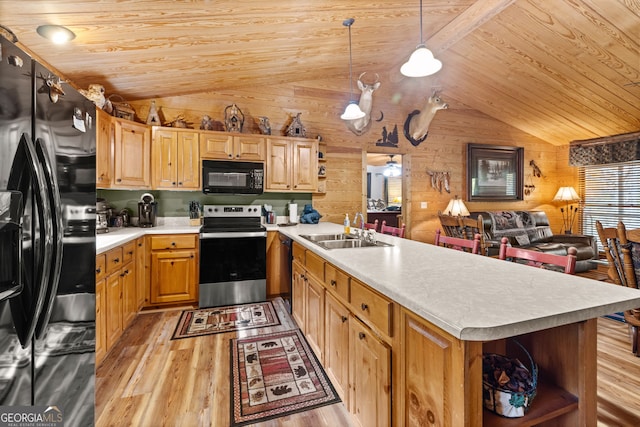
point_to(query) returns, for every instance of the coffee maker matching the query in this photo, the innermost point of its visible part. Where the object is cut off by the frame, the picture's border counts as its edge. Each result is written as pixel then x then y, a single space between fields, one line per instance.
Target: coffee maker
pixel 147 211
pixel 102 216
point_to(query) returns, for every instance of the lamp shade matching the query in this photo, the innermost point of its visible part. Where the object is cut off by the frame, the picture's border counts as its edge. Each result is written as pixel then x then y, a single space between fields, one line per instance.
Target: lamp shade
pixel 456 207
pixel 566 194
pixel 352 112
pixel 421 63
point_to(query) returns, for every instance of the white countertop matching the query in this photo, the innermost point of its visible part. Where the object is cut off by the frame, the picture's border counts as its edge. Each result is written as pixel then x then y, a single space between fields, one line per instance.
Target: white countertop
pixel 120 235
pixel 472 297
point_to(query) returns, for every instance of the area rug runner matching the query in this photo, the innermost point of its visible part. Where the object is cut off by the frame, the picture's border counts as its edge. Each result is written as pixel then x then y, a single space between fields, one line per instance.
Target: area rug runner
pixel 215 320
pixel 276 374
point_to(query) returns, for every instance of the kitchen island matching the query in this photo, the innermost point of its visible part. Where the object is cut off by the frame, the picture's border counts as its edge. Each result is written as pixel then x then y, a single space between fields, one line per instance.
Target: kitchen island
pixel 445 308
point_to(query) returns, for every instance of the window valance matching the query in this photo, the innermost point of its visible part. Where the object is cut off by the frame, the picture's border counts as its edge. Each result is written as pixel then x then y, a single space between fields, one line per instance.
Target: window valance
pixel 609 149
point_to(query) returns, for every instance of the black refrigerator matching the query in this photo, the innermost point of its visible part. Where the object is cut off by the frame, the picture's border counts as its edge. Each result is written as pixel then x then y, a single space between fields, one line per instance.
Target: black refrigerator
pixel 47 244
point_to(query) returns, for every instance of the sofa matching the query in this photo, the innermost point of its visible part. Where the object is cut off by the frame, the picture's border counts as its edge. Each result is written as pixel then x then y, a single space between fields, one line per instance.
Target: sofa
pixel 531 230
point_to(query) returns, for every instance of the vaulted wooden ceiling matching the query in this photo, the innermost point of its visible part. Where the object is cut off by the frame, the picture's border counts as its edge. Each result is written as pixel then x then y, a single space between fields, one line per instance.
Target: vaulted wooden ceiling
pixel 557 69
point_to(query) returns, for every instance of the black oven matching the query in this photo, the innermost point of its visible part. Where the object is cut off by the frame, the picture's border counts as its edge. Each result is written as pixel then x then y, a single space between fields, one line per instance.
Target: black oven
pixel 233 256
pixel 223 176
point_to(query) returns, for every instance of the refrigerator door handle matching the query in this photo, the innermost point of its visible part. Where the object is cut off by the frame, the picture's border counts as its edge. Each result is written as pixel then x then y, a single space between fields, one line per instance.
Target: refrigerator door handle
pixel 27 176
pixel 54 204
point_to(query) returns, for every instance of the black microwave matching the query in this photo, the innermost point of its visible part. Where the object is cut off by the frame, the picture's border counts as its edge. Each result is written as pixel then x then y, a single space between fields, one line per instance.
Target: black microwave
pixel 231 177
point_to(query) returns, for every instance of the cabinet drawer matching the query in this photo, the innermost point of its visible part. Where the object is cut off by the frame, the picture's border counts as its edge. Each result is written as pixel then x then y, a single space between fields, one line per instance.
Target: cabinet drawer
pixel 175 241
pixel 371 307
pixel 114 260
pixel 128 252
pixel 315 265
pixel 299 253
pixel 337 281
pixel 101 264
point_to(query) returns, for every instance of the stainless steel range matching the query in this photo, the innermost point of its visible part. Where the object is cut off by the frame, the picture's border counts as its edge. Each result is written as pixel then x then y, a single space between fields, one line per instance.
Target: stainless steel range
pixel 233 256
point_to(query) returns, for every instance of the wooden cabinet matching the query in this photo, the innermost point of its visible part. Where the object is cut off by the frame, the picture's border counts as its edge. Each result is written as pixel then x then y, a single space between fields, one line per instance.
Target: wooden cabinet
pixel 132 161
pixel 105 142
pixel 314 320
pixel 369 377
pixel 298 294
pixel 141 275
pixel 226 146
pixel 101 319
pixel 175 159
pixel 336 343
pixel 277 267
pixel 128 277
pixel 292 165
pixel 322 167
pixel 174 268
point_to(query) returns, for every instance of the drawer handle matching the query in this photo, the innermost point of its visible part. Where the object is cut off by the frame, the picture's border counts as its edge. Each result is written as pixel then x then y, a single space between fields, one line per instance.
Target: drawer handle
pixel 139 245
pixel 130 252
pixel 364 307
pixel 116 260
pixel 361 335
pixel 124 273
pixel 333 283
pixel 173 243
pixel 344 319
pixel 98 270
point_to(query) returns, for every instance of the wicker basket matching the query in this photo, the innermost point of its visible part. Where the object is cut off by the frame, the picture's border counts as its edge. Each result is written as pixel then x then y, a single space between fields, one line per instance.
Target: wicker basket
pixel 514 398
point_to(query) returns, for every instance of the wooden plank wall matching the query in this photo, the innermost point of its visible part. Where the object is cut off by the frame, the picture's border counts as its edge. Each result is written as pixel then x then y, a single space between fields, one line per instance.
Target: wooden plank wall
pixel 443 150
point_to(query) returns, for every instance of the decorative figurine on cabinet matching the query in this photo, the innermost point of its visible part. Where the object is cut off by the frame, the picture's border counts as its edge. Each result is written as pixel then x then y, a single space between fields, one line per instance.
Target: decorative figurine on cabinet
pixel 233 118
pixel 296 128
pixel 264 125
pixel 207 123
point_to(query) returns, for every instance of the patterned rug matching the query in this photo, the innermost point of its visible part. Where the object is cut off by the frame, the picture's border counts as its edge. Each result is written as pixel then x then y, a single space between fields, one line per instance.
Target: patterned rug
pixel 216 320
pixel 276 374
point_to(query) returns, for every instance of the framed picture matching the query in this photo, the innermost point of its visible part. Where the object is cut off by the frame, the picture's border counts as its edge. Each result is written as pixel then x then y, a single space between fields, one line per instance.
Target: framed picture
pixel 494 173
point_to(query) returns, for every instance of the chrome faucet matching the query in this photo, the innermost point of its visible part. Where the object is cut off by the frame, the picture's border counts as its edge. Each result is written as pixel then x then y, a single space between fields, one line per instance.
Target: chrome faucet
pixel 355 220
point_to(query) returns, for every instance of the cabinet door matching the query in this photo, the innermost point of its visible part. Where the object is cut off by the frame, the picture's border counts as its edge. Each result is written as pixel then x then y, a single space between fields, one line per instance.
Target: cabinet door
pixel 129 299
pixel 305 165
pixel 298 288
pixel 314 321
pixel 278 167
pixel 336 346
pixel 188 160
pixel 164 158
pixel 216 145
pixel 114 308
pixel 101 322
pixel 173 276
pixel 370 377
pixel 132 155
pixel 141 268
pixel 249 148
pixel 105 134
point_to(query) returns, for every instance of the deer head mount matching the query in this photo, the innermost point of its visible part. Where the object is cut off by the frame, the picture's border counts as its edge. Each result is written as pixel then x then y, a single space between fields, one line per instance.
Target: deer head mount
pixel 416 127
pixel 360 126
pixel 53 86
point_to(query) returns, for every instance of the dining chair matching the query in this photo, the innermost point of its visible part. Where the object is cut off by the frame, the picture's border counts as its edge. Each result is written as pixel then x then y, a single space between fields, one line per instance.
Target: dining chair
pixel 457 243
pixel 450 225
pixel 612 251
pixel 371 226
pixel 469 227
pixel 393 231
pixel 629 241
pixel 538 259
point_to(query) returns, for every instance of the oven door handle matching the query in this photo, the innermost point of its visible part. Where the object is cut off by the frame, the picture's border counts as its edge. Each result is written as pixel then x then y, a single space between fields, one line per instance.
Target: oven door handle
pixel 233 234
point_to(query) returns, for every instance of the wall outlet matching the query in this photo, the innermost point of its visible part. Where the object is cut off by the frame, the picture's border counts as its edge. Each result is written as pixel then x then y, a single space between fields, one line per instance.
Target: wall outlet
pixel 423 205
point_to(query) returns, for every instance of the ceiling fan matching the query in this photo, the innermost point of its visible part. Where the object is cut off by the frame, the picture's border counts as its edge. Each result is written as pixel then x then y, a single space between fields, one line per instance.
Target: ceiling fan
pixel 393 168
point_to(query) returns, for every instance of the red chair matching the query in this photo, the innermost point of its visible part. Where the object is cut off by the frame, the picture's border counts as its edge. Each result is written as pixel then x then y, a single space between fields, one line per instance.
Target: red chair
pixel 539 259
pixel 369 226
pixel 392 231
pixel 459 244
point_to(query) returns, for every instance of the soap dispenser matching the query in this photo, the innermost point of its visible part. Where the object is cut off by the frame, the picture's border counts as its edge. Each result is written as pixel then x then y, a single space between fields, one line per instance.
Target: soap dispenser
pixel 347 224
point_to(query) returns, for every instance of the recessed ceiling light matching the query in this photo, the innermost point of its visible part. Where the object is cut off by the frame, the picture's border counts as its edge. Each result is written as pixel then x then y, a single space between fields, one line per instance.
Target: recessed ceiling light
pixel 56 33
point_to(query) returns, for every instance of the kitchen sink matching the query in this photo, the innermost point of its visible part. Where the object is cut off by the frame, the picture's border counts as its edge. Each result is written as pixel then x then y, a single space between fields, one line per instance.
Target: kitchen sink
pixel 320 237
pixel 341 241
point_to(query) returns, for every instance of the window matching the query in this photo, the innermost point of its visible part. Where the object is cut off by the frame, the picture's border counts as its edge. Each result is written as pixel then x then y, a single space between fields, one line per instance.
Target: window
pixel 611 193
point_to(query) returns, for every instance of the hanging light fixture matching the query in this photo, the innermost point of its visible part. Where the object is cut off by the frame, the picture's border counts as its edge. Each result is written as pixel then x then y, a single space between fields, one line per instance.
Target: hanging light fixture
pixel 353 111
pixel 421 63
pixel 393 168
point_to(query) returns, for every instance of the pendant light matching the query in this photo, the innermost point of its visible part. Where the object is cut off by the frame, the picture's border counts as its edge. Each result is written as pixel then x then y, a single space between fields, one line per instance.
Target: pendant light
pixel 353 111
pixel 421 63
pixel 393 168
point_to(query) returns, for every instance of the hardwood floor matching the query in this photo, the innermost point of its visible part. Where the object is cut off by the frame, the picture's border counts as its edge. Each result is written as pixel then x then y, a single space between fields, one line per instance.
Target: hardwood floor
pixel 149 380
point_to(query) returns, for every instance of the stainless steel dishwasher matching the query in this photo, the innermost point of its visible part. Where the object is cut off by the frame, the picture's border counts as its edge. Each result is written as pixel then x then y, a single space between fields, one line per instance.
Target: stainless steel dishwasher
pixel 286 257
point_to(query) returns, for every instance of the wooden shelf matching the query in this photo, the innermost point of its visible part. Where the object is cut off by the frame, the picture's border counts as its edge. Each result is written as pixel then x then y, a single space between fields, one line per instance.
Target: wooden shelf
pixel 550 402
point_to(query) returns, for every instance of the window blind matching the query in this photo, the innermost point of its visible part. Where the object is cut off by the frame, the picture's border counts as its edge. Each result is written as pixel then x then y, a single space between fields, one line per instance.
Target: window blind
pixel 611 193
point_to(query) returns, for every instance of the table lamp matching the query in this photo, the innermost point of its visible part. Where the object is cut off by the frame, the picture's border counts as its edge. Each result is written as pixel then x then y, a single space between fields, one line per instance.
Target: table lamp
pixel 567 195
pixel 456 207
